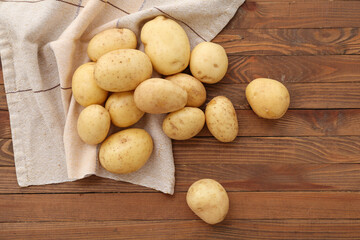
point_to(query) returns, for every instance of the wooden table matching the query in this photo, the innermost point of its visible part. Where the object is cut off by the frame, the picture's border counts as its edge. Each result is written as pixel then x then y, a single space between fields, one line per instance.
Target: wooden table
pixel 293 178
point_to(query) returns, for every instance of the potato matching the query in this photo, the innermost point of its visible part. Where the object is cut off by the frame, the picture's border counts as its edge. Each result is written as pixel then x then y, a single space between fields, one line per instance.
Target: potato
pixel 122 70
pixel 93 124
pixel 167 45
pixel 84 87
pixel 208 200
pixel 208 62
pixel 194 88
pixel 184 123
pixel 122 109
pixel 126 151
pixel 221 119
pixel 110 40
pixel 157 95
pixel 268 98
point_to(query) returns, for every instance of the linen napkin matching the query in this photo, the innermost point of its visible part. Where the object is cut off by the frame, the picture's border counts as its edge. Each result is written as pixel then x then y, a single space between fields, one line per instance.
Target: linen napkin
pixel 42 42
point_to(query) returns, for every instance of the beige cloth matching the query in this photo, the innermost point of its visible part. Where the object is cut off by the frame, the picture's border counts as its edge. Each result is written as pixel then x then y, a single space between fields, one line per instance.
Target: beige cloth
pixel 42 42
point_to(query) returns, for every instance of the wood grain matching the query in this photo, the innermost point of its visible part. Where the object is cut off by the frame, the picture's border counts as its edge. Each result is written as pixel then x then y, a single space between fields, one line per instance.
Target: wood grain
pixel 6 152
pixel 1 74
pixel 5 131
pixel 293 41
pixel 3 102
pixel 155 206
pixel 185 229
pixel 297 15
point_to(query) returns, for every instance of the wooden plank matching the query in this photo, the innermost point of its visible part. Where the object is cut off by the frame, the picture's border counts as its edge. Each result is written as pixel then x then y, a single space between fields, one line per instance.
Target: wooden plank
pixel 1 74
pixel 6 152
pixel 157 206
pixel 293 41
pixel 3 102
pixel 5 131
pixel 303 96
pixel 294 69
pixel 297 15
pixel 185 229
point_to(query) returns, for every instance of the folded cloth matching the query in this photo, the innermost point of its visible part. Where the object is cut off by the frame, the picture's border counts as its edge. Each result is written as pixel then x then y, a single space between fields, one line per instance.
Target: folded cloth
pixel 42 42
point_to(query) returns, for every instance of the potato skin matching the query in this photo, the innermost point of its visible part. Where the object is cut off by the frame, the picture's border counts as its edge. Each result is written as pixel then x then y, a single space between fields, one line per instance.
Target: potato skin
pixel 194 88
pixel 157 95
pixel 208 200
pixel 167 45
pixel 208 62
pixel 122 70
pixel 126 151
pixel 110 40
pixel 184 123
pixel 84 87
pixel 221 119
pixel 93 124
pixel 268 98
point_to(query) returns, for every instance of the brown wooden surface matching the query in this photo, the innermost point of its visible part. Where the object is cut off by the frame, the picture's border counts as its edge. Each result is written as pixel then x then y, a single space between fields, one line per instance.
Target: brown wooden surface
pixel 293 178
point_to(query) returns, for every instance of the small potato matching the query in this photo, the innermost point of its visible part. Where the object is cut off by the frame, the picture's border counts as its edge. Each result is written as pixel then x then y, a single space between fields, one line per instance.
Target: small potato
pixel 208 62
pixel 184 123
pixel 194 88
pixel 167 45
pixel 221 119
pixel 208 200
pixel 157 95
pixel 84 87
pixel 122 70
pixel 126 151
pixel 93 124
pixel 110 40
pixel 268 98
pixel 122 109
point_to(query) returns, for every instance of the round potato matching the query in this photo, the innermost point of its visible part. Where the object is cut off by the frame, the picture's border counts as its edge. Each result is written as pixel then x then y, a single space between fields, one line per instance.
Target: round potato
pixel 157 95
pixel 109 40
pixel 167 45
pixel 208 62
pixel 126 151
pixel 184 123
pixel 93 124
pixel 221 119
pixel 208 200
pixel 194 88
pixel 84 87
pixel 122 70
pixel 122 109
pixel 268 98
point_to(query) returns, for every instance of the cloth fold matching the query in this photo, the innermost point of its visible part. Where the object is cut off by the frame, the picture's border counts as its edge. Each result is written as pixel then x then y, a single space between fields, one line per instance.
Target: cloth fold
pixel 43 42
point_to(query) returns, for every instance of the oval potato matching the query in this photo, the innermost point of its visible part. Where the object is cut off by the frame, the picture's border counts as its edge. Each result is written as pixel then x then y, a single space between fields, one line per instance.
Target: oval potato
pixel 122 109
pixel 184 123
pixel 157 95
pixel 84 87
pixel 109 40
pixel 268 98
pixel 122 70
pixel 194 88
pixel 221 119
pixel 167 45
pixel 208 62
pixel 208 200
pixel 93 124
pixel 126 151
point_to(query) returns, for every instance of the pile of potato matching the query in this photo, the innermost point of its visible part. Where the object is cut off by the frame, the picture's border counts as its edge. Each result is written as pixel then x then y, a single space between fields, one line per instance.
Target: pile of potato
pixel 118 68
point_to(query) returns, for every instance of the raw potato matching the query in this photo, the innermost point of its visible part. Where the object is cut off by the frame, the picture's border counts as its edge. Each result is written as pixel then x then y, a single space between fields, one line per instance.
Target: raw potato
pixel 126 151
pixel 122 70
pixel 221 119
pixel 84 87
pixel 208 62
pixel 184 123
pixel 157 95
pixel 122 109
pixel 194 88
pixel 109 40
pixel 208 200
pixel 93 124
pixel 268 98
pixel 167 45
